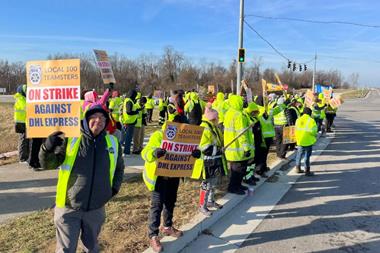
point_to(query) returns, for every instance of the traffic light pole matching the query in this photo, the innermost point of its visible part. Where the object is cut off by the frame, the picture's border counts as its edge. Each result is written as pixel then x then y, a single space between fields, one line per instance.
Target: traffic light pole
pixel 239 68
pixel 314 70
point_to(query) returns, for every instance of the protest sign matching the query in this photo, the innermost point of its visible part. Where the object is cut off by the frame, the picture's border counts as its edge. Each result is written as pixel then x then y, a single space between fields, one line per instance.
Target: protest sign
pixel 211 89
pixel 309 98
pixel 289 135
pixel 53 98
pixel 248 91
pixel 327 93
pixel 179 141
pixel 335 102
pixel 104 66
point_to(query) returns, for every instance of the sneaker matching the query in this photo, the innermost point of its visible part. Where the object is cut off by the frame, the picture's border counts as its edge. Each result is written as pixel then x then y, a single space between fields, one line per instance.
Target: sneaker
pixel 205 211
pixel 37 169
pixel 156 244
pixel 214 205
pixel 171 231
pixel 22 162
pixel 244 188
pixel 249 181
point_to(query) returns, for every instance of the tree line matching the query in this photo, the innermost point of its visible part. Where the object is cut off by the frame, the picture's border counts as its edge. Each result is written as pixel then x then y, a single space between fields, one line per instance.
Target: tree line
pixel 173 70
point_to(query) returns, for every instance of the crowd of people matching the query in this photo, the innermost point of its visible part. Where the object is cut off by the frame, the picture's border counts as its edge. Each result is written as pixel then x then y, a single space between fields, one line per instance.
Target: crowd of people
pixel 238 133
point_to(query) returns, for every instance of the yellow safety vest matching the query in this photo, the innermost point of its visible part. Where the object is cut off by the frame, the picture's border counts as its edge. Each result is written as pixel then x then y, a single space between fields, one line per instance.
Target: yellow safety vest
pixel 129 119
pixel 280 119
pixel 211 136
pixel 71 154
pixel 115 105
pixel 19 115
pixel 306 131
pixel 149 173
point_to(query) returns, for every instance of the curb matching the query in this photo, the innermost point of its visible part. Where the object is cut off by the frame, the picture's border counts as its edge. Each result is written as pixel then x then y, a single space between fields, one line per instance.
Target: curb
pixel 200 223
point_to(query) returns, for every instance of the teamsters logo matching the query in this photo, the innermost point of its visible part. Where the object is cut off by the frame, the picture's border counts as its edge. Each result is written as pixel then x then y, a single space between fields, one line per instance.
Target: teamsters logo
pixel 171 131
pixel 35 74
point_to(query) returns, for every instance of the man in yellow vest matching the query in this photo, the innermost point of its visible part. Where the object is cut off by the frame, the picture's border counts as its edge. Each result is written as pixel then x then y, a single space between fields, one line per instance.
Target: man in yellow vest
pixel 242 149
pixel 90 174
pixel 20 120
pixel 164 189
pixel 115 105
pixel 129 119
pixel 280 121
pixel 306 136
pixel 149 106
pixel 138 134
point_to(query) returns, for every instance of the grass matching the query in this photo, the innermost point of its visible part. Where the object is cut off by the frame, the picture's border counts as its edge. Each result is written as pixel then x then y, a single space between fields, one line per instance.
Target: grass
pixel 7 130
pixel 125 229
pixel 360 93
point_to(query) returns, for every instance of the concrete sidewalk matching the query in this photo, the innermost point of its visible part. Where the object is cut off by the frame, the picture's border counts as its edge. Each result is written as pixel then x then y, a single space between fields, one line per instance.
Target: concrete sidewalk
pixel 23 190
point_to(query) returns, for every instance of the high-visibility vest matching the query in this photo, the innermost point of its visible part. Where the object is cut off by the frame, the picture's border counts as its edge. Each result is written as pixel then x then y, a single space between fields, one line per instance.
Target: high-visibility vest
pixel 115 104
pixel 306 131
pixel 171 116
pixel 280 119
pixel 67 165
pixel 211 137
pixel 234 123
pixel 19 115
pixel 140 115
pixel 129 119
pixel 267 127
pixel 149 172
pixel 149 103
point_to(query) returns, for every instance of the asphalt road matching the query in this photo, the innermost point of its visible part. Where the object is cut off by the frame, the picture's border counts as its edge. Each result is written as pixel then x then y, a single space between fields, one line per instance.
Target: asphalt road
pixel 338 210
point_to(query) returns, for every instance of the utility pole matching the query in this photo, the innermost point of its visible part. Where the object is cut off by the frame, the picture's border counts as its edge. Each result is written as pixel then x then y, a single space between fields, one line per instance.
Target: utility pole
pixel 314 71
pixel 239 68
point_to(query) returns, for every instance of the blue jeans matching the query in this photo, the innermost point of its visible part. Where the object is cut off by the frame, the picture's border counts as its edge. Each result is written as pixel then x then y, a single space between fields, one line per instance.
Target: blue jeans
pixel 129 129
pixel 304 151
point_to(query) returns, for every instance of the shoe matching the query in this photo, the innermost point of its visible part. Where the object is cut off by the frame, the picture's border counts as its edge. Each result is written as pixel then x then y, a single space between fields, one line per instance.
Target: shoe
pixel 309 174
pixel 156 244
pixel 136 152
pixel 237 191
pixel 171 231
pixel 205 211
pixel 267 169
pixel 249 181
pixel 22 162
pixel 299 170
pixel 243 187
pixel 214 205
pixel 126 155
pixel 37 169
pixel 256 179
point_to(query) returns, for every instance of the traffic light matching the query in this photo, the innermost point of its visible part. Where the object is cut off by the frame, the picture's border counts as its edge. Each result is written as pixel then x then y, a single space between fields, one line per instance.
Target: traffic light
pixel 289 64
pixel 300 67
pixel 305 67
pixel 294 66
pixel 241 55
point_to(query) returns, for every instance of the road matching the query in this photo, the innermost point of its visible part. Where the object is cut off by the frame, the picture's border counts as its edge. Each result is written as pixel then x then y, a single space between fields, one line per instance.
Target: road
pixel 337 210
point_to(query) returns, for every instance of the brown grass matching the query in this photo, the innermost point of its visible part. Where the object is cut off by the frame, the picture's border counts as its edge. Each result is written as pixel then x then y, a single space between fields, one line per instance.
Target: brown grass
pixel 125 229
pixel 8 136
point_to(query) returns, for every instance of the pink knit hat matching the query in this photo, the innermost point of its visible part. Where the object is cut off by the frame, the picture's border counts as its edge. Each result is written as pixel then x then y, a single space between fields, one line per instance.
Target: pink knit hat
pixel 210 113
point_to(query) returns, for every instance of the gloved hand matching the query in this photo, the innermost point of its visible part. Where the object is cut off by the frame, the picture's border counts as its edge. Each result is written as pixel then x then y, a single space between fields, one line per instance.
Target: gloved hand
pixel 110 86
pixel 159 152
pixel 196 153
pixel 247 153
pixel 53 141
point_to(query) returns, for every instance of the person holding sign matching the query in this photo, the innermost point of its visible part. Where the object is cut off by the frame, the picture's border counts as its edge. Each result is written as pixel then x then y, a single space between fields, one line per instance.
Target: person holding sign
pixel 306 136
pixel 212 163
pixel 164 189
pixel 20 119
pixel 91 172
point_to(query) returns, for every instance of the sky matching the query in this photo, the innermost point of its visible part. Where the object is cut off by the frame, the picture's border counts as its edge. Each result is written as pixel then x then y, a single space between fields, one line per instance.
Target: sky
pixel 203 30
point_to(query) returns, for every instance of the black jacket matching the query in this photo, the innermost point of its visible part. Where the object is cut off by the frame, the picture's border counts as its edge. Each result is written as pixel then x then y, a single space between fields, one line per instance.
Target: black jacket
pixel 89 186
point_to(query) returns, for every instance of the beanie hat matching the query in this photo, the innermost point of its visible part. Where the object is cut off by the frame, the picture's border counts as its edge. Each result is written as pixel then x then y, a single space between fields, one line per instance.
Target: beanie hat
pixel 307 111
pixel 90 96
pixel 210 113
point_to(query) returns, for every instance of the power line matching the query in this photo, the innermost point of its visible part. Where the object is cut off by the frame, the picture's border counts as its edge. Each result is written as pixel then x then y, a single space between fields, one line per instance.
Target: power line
pixel 271 45
pixel 315 21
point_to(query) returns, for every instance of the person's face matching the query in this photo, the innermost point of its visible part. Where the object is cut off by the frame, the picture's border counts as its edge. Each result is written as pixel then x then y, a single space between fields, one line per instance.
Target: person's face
pixel 96 123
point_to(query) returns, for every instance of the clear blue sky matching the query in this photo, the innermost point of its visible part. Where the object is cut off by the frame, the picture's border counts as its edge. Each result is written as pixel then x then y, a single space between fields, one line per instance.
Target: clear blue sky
pixel 204 30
